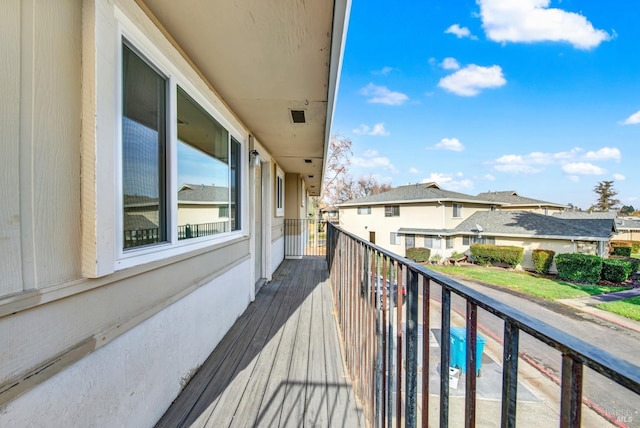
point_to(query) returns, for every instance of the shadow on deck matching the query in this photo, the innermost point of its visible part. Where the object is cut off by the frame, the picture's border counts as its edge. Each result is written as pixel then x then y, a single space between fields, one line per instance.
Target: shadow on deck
pixel 279 365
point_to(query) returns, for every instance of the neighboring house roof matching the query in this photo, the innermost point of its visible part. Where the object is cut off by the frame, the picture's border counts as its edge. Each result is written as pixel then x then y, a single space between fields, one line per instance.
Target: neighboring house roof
pixel 133 201
pixel 412 193
pixel 627 224
pixel 511 198
pixel 138 222
pixel 524 223
pixel 199 193
pixel 418 231
pixel 581 215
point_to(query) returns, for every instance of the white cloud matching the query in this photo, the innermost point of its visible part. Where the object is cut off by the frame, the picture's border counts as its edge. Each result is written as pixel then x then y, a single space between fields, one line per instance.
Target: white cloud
pixel 515 164
pixel 619 177
pixel 383 95
pixel 460 32
pixel 372 159
pixel 489 177
pixel 377 130
pixel 449 181
pixel 383 71
pixel 471 79
pixel 533 21
pixel 604 154
pixel 413 171
pixel 634 119
pixel 452 144
pixel 582 168
pixel 535 162
pixel 450 64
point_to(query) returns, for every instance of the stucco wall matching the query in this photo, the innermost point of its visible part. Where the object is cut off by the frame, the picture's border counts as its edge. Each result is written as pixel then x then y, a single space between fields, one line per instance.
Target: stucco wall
pixel 131 381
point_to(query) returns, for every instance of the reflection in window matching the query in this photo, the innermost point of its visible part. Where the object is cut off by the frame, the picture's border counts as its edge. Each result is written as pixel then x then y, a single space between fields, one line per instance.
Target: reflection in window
pixel 203 171
pixel 143 152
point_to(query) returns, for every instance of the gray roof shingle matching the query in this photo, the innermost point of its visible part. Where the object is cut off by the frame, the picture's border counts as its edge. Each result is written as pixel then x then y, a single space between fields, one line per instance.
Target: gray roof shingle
pixel 511 197
pixel 414 193
pixel 203 193
pixel 524 223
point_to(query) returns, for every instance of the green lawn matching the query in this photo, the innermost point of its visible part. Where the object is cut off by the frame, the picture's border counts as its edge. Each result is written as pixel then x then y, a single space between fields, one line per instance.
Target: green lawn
pixel 629 308
pixel 525 282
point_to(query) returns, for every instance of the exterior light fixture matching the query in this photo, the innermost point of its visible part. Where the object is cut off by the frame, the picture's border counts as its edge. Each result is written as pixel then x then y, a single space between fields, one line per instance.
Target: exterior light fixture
pixel 254 158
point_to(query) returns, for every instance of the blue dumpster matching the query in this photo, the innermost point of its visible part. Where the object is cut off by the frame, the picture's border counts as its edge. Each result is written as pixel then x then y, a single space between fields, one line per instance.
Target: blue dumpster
pixel 458 353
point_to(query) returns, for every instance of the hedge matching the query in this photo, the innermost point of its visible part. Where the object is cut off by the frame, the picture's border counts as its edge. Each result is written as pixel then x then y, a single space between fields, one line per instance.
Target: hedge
pixel 542 260
pixel 581 268
pixel 486 254
pixel 615 270
pixel 635 263
pixel 621 251
pixel 635 245
pixel 418 254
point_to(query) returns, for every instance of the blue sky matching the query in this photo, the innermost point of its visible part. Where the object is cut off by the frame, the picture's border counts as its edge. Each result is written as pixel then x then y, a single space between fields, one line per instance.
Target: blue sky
pixel 537 96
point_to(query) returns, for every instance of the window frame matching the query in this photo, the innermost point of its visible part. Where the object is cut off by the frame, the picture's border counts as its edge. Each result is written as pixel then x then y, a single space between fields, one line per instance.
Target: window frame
pixel 279 192
pixel 456 207
pixel 394 238
pixel 128 33
pixel 392 210
pixel 365 210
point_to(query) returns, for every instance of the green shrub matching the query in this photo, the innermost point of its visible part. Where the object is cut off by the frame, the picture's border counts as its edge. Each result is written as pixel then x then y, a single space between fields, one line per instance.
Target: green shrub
pixel 615 270
pixel 457 255
pixel 542 260
pixel 485 254
pixel 634 263
pixel 419 255
pixel 621 251
pixel 635 247
pixel 582 268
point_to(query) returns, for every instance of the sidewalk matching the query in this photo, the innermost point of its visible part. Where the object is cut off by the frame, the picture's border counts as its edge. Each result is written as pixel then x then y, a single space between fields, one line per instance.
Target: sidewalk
pixel 587 304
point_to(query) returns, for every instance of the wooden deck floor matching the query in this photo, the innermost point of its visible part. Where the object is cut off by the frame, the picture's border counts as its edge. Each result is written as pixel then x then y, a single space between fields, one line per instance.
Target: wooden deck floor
pixel 280 364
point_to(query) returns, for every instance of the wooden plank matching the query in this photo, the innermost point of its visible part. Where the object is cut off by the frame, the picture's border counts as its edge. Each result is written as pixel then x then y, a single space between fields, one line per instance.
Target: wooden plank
pixel 247 411
pixel 296 382
pixel 245 373
pixel 272 400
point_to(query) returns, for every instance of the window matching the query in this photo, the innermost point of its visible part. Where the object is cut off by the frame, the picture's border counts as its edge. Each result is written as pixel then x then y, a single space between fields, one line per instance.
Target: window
pixel 409 241
pixel 432 242
pixel 279 193
pixel 394 238
pixel 207 162
pixel 449 242
pixel 392 211
pixel 457 210
pixel 364 210
pixel 468 240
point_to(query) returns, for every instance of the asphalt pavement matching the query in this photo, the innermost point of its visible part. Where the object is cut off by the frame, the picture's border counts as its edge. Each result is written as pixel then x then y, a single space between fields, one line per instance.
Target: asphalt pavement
pixel 606 403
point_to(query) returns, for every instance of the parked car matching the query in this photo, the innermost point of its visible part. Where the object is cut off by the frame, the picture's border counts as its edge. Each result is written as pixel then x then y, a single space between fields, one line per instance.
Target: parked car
pixel 393 294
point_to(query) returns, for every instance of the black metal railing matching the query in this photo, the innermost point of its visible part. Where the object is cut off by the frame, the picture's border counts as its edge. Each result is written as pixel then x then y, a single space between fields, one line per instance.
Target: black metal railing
pixel 203 229
pixel 305 237
pixel 382 356
pixel 137 237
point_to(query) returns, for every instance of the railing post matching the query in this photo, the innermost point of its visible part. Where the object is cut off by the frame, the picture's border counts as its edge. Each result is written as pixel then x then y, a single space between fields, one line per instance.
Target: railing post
pixel 509 375
pixel 471 363
pixel 571 400
pixel 445 349
pixel 411 407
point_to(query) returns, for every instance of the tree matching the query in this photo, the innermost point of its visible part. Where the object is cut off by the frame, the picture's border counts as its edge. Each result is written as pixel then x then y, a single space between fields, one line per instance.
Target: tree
pixel 339 185
pixel 606 194
pixel 627 210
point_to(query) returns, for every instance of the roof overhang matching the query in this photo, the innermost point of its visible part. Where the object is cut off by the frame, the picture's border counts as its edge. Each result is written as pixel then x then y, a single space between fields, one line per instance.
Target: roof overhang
pixel 266 59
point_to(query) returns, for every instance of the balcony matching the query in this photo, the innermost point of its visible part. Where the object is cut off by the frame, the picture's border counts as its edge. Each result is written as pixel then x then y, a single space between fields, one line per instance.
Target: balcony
pixel 282 362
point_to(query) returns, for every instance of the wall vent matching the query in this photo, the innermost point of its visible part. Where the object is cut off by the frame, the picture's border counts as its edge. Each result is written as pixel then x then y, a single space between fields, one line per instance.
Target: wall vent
pixel 297 116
